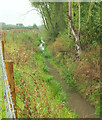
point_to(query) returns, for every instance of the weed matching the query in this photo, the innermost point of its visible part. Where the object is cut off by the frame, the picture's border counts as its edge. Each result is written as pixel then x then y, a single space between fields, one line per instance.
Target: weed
pixel 55 87
pixel 38 94
pixel 49 78
pixel 47 54
pixel 45 68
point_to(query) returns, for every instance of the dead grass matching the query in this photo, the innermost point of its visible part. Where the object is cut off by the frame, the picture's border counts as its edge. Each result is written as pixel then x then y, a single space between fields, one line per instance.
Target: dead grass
pixel 87 73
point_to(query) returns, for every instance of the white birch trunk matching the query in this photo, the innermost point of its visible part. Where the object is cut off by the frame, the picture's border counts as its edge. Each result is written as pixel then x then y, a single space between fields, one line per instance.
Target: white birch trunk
pixel 76 36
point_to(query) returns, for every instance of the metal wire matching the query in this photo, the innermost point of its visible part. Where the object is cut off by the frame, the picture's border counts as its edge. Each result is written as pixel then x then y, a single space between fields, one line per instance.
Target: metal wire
pixel 10 112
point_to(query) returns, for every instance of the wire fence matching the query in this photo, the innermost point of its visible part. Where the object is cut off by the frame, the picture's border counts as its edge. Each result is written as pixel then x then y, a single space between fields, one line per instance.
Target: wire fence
pixel 9 105
pixel 0 92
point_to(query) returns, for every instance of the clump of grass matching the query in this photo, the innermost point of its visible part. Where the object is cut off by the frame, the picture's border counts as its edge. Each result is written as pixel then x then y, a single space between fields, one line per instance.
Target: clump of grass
pixel 55 87
pixel 45 68
pixel 49 78
pixel 47 54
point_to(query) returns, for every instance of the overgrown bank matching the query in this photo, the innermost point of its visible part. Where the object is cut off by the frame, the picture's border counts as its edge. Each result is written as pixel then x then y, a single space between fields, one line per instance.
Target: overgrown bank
pixel 82 74
pixel 72 30
pixel 38 94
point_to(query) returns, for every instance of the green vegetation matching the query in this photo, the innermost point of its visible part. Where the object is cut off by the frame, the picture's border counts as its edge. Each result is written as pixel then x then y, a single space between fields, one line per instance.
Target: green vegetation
pixel 2 103
pixel 0 94
pixel 56 20
pixel 38 94
pixel 85 70
pixel 5 26
pixel 73 38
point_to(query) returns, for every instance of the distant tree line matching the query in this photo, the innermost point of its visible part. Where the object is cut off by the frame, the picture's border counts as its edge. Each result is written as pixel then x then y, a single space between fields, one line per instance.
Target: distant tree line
pixel 5 26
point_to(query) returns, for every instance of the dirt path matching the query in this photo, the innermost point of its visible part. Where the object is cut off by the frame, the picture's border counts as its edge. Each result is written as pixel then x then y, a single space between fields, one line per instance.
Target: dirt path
pixel 75 101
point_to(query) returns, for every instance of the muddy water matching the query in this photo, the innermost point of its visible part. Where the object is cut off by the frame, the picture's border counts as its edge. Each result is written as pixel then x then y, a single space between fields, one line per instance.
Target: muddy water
pixel 75 101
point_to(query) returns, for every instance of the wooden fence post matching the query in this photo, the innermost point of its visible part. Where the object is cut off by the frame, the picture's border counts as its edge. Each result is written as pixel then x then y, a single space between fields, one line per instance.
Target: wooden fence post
pixel 10 76
pixel 2 42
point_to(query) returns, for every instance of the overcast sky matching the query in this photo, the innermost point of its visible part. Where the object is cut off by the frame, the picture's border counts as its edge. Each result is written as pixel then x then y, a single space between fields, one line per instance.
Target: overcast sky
pixel 12 12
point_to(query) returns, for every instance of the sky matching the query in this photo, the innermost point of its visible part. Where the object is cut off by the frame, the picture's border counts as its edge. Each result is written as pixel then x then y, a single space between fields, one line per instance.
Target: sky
pixel 16 11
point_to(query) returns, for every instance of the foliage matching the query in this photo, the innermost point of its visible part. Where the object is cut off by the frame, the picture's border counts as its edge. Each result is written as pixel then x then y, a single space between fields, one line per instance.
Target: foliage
pixel 45 68
pixel 61 47
pixel 88 71
pixel 17 26
pixel 38 94
pixel 55 19
pixel 90 23
pixel 47 54
pixel 35 26
pixel 85 70
pixel 53 16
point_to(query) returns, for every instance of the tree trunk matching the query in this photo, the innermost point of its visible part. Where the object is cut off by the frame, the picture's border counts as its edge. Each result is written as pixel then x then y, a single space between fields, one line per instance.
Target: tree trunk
pixel 76 36
pixel 49 17
pixel 44 18
pixel 79 20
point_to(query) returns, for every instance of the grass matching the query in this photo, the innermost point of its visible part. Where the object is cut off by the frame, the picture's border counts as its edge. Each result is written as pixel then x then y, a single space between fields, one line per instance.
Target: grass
pixel 0 93
pixel 2 104
pixel 45 68
pixel 38 94
pixel 83 70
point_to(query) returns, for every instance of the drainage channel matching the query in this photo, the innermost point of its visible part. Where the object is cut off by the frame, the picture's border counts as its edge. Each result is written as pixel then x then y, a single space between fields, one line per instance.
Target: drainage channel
pixel 75 101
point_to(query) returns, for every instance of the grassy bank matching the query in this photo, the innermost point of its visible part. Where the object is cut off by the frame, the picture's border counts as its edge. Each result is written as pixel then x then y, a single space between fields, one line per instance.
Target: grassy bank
pixel 38 94
pixel 83 74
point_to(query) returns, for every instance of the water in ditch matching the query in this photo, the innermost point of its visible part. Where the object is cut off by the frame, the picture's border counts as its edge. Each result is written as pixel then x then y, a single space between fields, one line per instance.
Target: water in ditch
pixel 75 101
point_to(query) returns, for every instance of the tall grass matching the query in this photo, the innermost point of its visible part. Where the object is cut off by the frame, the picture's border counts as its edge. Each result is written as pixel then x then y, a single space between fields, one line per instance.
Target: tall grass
pixel 38 94
pixel 75 72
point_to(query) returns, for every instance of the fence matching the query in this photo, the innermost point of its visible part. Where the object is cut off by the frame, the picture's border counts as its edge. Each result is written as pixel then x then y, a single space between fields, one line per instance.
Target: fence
pixel 8 84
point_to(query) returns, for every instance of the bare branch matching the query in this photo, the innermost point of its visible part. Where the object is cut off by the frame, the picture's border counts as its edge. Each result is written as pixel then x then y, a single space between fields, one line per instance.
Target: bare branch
pixel 28 12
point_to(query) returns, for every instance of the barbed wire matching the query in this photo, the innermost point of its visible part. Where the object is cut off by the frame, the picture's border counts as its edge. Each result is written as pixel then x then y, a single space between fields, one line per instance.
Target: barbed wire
pixel 9 105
